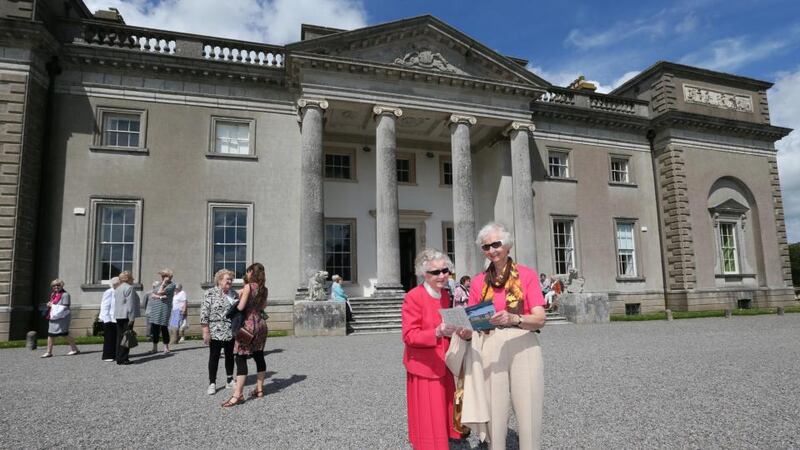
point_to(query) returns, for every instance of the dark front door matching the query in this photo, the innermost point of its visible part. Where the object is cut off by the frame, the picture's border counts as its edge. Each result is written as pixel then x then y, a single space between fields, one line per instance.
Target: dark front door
pixel 408 251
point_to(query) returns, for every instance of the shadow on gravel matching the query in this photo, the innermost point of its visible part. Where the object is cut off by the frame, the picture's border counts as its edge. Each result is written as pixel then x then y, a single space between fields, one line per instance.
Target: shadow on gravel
pixel 269 352
pixel 142 358
pixel 187 349
pixel 279 384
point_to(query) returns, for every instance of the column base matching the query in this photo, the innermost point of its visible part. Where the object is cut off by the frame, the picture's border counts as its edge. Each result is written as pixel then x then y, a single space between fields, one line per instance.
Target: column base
pixel 388 290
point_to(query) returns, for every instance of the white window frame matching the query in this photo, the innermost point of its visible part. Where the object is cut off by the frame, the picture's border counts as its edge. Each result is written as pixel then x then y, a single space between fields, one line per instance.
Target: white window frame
pixel 634 263
pixel 92 277
pixel 412 167
pixel 251 138
pixel 623 159
pixel 212 206
pixel 443 160
pixel 563 165
pixel 449 226
pixel 733 235
pixel 343 151
pixel 571 261
pixel 103 113
pixel 353 247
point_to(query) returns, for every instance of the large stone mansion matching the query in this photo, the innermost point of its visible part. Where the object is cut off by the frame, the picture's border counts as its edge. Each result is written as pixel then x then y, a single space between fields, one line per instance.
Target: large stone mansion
pixel 126 148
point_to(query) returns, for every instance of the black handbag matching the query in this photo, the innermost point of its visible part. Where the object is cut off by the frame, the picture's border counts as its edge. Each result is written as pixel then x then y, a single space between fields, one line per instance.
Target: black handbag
pixel 236 317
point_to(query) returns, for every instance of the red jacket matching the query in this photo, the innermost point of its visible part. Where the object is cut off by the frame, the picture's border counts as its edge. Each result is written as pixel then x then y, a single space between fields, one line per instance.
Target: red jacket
pixel 424 352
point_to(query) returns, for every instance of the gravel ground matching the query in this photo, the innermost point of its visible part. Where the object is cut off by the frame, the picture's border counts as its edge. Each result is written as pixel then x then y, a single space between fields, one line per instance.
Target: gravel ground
pixel 700 383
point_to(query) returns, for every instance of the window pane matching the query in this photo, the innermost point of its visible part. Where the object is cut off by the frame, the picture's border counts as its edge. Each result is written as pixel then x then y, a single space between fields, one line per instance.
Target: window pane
pixel 564 251
pixel 232 137
pixel 229 235
pixel 339 249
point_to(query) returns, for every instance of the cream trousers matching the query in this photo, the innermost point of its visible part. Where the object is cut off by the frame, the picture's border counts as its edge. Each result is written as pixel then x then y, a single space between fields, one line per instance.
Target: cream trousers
pixel 512 363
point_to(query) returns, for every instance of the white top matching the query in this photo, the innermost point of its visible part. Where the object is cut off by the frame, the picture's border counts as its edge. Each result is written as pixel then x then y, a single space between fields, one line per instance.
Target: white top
pixel 431 291
pixel 179 300
pixel 107 307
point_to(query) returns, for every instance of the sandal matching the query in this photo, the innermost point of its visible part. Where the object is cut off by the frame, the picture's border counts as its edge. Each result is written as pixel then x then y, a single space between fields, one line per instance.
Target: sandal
pixel 255 393
pixel 47 355
pixel 233 401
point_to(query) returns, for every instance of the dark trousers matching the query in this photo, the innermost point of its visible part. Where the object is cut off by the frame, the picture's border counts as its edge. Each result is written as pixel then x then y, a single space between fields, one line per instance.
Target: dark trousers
pixel 155 329
pixel 241 363
pixel 215 348
pixel 122 352
pixel 109 340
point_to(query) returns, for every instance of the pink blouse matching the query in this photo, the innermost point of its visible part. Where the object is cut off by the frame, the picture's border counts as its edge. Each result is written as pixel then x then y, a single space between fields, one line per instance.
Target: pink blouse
pixel 530 288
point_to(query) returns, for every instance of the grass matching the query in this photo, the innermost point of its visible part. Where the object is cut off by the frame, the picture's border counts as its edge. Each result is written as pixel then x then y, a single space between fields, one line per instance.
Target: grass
pixel 89 340
pixel 700 314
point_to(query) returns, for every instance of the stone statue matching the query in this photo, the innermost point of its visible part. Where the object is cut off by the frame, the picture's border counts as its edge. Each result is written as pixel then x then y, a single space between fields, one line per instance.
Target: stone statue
pixel 316 286
pixel 574 284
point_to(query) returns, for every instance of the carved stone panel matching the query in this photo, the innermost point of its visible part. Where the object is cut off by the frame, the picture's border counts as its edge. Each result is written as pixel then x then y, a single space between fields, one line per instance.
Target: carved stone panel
pixel 717 99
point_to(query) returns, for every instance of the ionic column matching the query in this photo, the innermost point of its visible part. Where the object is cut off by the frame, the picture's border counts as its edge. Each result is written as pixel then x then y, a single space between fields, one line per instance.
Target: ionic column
pixel 463 209
pixel 386 213
pixel 522 182
pixel 312 218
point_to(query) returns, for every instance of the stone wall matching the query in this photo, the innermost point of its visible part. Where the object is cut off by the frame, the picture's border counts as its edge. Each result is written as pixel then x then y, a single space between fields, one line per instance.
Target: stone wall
pixel 16 9
pixel 780 223
pixel 650 302
pixel 677 229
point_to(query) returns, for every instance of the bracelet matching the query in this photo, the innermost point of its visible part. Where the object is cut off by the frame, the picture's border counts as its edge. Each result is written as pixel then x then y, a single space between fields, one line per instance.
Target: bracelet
pixel 519 321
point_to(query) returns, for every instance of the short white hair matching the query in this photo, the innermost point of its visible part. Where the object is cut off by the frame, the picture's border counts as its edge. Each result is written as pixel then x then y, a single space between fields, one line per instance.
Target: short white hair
pixel 505 236
pixel 336 278
pixel 113 282
pixel 426 257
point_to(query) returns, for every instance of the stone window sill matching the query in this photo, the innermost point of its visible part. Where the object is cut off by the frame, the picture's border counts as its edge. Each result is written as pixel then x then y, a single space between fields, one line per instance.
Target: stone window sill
pixel 99 287
pixel 125 150
pixel 561 179
pixel 631 279
pixel 734 276
pixel 342 180
pixel 406 183
pixel 230 156
pixel 211 284
pixel 621 184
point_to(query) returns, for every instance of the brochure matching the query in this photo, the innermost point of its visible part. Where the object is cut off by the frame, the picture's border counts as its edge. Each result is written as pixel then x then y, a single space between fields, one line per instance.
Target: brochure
pixel 474 317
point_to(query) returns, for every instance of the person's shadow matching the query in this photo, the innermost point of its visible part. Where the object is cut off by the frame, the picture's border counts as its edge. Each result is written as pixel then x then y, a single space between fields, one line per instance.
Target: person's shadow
pixel 142 358
pixel 278 384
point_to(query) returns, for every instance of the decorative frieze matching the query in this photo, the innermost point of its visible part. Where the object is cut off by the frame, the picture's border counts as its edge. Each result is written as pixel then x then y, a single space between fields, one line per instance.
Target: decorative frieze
pixel 428 60
pixel 717 99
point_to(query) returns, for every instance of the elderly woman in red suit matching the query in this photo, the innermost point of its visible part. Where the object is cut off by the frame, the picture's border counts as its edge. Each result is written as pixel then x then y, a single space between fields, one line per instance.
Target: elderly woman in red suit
pixel 429 385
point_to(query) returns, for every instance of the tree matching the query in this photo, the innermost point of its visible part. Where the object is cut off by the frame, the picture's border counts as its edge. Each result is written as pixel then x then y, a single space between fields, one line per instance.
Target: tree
pixel 794 256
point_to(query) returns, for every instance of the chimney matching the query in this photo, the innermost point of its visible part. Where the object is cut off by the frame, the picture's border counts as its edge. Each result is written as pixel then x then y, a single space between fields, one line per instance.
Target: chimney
pixel 111 15
pixel 580 84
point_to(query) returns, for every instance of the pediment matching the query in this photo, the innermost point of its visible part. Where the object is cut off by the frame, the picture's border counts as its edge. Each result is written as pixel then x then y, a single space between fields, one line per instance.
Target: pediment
pixel 425 44
pixel 729 206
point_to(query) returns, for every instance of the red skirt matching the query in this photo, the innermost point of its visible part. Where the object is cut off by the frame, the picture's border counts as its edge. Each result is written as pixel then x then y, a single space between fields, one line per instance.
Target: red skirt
pixel 430 412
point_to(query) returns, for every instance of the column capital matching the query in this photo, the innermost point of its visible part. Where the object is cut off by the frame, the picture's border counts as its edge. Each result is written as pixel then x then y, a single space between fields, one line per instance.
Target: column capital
pixel 377 110
pixel 458 118
pixel 312 102
pixel 527 127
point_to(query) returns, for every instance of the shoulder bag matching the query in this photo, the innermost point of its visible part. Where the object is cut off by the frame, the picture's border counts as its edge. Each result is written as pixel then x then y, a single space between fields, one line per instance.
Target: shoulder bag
pixel 58 311
pixel 129 339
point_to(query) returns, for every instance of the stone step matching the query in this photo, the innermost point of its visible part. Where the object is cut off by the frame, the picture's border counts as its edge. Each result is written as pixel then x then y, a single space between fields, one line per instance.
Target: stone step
pixel 363 317
pixel 375 327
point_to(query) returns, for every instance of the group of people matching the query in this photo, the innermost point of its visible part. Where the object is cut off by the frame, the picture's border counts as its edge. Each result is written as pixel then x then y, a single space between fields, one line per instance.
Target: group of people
pixel 496 370
pixel 551 289
pixel 166 306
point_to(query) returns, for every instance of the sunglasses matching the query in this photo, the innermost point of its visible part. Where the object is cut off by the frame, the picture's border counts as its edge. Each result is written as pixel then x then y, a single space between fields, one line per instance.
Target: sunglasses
pixel 439 271
pixel 495 244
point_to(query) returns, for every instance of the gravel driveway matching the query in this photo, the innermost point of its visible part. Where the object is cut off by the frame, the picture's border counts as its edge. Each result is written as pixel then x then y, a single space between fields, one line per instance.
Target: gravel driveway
pixel 699 383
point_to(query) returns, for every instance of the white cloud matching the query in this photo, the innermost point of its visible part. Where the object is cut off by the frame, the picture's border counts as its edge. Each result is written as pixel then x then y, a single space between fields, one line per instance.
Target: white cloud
pixel 784 99
pixel 687 25
pixel 619 32
pixel 732 53
pixel 269 21
pixel 564 78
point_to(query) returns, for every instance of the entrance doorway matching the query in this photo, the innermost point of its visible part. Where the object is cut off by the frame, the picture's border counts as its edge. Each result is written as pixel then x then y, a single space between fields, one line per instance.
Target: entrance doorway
pixel 408 251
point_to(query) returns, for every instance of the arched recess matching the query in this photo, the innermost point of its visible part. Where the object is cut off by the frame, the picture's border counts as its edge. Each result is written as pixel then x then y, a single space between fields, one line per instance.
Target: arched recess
pixel 738 249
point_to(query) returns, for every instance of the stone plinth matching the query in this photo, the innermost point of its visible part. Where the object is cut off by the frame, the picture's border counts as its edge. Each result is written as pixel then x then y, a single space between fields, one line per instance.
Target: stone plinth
pixel 585 308
pixel 320 318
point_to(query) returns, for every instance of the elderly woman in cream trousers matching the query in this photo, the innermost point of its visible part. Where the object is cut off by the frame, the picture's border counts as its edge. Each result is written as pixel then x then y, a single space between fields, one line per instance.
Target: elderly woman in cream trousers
pixel 503 367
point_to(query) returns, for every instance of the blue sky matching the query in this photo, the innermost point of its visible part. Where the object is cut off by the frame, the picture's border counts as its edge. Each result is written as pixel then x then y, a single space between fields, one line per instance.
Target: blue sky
pixel 608 42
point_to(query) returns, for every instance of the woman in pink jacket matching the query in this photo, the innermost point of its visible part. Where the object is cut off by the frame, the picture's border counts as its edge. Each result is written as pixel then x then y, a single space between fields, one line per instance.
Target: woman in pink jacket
pixel 429 385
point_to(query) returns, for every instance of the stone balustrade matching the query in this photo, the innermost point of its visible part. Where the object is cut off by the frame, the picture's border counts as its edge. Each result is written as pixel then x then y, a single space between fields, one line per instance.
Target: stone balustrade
pixel 105 34
pixel 591 100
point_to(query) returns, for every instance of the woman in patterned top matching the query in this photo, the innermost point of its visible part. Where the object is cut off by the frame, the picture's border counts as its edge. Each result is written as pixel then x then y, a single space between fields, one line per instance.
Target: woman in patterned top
pixel 250 343
pixel 160 306
pixel 511 355
pixel 217 328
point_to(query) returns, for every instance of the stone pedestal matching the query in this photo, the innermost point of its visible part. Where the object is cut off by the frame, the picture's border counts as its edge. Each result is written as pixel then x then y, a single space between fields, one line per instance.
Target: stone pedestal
pixel 320 318
pixel 585 308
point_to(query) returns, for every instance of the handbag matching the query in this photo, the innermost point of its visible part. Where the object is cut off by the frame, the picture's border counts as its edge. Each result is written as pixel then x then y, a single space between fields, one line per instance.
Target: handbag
pixel 236 317
pixel 129 339
pixel 458 405
pixel 244 336
pixel 58 312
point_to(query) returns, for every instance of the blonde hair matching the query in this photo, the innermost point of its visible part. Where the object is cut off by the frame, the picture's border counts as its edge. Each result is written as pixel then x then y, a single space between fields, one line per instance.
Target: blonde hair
pixel 125 277
pixel 221 273
pixel 166 272
pixel 426 257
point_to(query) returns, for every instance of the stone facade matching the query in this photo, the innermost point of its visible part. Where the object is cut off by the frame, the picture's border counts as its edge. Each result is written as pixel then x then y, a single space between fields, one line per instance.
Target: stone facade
pixel 353 150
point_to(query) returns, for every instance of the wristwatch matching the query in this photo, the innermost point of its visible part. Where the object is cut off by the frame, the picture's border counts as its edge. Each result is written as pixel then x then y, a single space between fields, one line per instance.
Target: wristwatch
pixel 519 320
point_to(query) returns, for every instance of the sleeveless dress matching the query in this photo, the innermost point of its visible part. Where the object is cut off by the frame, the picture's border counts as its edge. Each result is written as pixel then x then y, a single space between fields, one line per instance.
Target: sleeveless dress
pixel 254 321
